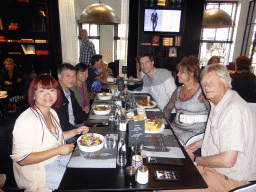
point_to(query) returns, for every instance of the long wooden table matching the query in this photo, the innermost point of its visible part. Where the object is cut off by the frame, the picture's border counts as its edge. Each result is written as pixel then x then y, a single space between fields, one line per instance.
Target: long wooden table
pixel 113 179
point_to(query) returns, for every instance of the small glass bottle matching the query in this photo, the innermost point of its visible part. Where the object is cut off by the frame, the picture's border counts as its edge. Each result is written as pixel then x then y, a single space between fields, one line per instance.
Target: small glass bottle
pixel 121 155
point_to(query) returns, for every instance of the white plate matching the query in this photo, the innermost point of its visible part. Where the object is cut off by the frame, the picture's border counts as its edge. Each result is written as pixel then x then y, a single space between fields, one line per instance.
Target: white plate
pixel 4 96
pixel 102 112
pixel 161 129
pixel 148 106
pixel 107 97
pixel 92 148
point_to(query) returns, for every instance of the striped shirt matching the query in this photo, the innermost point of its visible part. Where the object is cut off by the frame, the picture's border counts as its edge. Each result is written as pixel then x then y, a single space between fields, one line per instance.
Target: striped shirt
pixel 87 50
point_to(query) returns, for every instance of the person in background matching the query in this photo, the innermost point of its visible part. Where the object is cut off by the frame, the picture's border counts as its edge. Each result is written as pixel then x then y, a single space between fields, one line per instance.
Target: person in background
pixel 154 19
pixel 243 81
pixel 159 83
pixel 140 73
pixel 213 60
pixel 39 154
pixel 70 112
pixel 12 81
pixel 87 49
pixel 96 77
pixel 191 106
pixel 80 87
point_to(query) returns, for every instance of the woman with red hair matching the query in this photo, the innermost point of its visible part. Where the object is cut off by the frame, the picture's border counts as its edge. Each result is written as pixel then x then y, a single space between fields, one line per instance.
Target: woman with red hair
pixel 40 154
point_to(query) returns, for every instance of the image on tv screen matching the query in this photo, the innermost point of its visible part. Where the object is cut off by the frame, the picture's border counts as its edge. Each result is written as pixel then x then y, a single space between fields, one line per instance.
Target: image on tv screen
pixel 157 20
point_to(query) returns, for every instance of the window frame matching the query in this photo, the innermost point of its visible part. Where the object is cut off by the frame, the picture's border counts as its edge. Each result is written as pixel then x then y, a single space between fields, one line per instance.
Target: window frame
pixel 230 34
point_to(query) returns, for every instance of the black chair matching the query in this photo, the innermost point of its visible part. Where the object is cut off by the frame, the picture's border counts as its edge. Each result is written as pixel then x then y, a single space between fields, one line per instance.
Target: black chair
pixel 115 68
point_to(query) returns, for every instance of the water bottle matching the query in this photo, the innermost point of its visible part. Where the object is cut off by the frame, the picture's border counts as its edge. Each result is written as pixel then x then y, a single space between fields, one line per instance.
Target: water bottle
pixel 121 156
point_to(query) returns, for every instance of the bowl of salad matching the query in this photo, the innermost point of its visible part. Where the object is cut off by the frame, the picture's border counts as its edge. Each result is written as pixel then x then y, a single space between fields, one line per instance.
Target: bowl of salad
pixel 101 109
pixel 90 142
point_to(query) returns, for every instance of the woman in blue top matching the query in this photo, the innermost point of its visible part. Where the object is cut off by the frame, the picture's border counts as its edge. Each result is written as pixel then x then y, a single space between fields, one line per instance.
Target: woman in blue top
pixel 96 76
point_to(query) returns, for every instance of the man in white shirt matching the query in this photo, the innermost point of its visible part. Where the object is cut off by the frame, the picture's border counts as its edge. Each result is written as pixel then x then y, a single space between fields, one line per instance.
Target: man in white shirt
pixel 228 148
pixel 159 83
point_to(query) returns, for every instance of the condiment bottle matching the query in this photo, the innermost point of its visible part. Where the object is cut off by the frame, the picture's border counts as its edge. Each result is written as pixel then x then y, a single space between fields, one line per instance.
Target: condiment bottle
pixel 121 156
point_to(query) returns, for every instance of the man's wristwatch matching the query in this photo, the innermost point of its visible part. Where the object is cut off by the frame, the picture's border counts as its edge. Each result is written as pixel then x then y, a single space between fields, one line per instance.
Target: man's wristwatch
pixel 195 161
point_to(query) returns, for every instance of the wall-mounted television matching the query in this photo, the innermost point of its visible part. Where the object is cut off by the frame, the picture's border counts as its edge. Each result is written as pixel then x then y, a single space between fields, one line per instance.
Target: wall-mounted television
pixel 162 20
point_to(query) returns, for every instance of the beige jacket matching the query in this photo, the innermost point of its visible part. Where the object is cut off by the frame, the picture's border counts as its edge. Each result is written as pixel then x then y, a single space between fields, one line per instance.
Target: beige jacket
pixel 30 135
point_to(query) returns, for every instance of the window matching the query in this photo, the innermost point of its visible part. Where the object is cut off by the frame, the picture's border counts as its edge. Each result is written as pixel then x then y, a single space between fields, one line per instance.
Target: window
pixel 249 41
pixel 218 41
pixel 93 34
pixel 119 35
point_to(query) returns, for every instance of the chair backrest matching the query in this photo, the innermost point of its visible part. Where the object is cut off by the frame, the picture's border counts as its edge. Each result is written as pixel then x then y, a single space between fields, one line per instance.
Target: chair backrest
pixel 115 68
pixel 195 138
pixel 246 188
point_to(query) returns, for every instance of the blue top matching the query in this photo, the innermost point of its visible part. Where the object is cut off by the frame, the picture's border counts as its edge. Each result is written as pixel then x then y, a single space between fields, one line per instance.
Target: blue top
pixel 93 84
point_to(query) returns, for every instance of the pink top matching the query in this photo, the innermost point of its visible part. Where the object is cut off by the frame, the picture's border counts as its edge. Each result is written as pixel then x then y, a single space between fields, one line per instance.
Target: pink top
pixel 83 103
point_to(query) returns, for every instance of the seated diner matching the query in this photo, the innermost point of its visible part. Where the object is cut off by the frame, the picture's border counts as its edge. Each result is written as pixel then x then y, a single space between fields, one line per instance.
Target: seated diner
pixel 40 154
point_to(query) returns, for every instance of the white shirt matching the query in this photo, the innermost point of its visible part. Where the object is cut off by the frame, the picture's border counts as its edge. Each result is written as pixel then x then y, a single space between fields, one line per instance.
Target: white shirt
pixel 232 126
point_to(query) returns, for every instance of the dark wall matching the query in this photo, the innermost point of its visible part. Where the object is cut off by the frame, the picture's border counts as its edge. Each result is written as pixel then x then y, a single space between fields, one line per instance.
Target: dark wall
pixel 190 35
pixel 192 30
pixel 132 37
pixel 55 37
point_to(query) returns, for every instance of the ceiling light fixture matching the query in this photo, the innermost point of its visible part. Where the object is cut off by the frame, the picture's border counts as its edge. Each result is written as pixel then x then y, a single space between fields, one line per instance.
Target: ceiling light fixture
pixel 99 14
pixel 216 18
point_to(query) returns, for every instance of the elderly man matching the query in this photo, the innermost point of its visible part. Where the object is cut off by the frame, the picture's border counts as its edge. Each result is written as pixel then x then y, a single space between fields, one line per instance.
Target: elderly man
pixel 228 147
pixel 87 49
pixel 159 83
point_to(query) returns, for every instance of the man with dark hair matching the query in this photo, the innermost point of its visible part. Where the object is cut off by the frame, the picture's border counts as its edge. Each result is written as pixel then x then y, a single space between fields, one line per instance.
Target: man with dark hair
pixel 87 49
pixel 70 112
pixel 159 83
pixel 95 76
pixel 243 81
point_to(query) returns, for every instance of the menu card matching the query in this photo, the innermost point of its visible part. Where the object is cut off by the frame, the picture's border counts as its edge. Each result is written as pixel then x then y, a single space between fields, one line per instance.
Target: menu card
pixel 136 132
pixel 120 83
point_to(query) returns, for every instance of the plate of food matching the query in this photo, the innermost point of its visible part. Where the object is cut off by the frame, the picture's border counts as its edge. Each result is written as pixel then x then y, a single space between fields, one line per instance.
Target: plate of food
pixel 154 126
pixel 101 109
pixel 90 142
pixel 145 104
pixel 104 96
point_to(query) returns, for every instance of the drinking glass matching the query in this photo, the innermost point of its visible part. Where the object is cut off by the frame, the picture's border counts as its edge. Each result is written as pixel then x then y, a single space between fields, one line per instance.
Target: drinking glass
pixel 110 142
pixel 137 149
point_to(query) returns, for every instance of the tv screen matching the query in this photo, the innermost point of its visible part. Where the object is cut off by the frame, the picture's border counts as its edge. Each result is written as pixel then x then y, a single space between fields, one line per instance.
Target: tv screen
pixel 159 20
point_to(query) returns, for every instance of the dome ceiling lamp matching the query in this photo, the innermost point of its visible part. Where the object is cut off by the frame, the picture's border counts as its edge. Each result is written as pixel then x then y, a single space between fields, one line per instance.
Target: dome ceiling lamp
pixel 216 18
pixel 99 14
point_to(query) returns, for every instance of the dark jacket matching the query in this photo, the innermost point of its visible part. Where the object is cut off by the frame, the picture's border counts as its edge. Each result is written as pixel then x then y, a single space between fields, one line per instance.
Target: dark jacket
pixel 62 111
pixel 244 84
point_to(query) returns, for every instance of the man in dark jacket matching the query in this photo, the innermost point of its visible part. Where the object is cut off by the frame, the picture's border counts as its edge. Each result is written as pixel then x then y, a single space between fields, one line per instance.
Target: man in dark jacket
pixel 70 112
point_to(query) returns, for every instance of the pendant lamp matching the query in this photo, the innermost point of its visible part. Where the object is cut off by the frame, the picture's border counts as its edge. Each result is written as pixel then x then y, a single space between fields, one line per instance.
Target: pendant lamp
pixel 216 18
pixel 99 14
